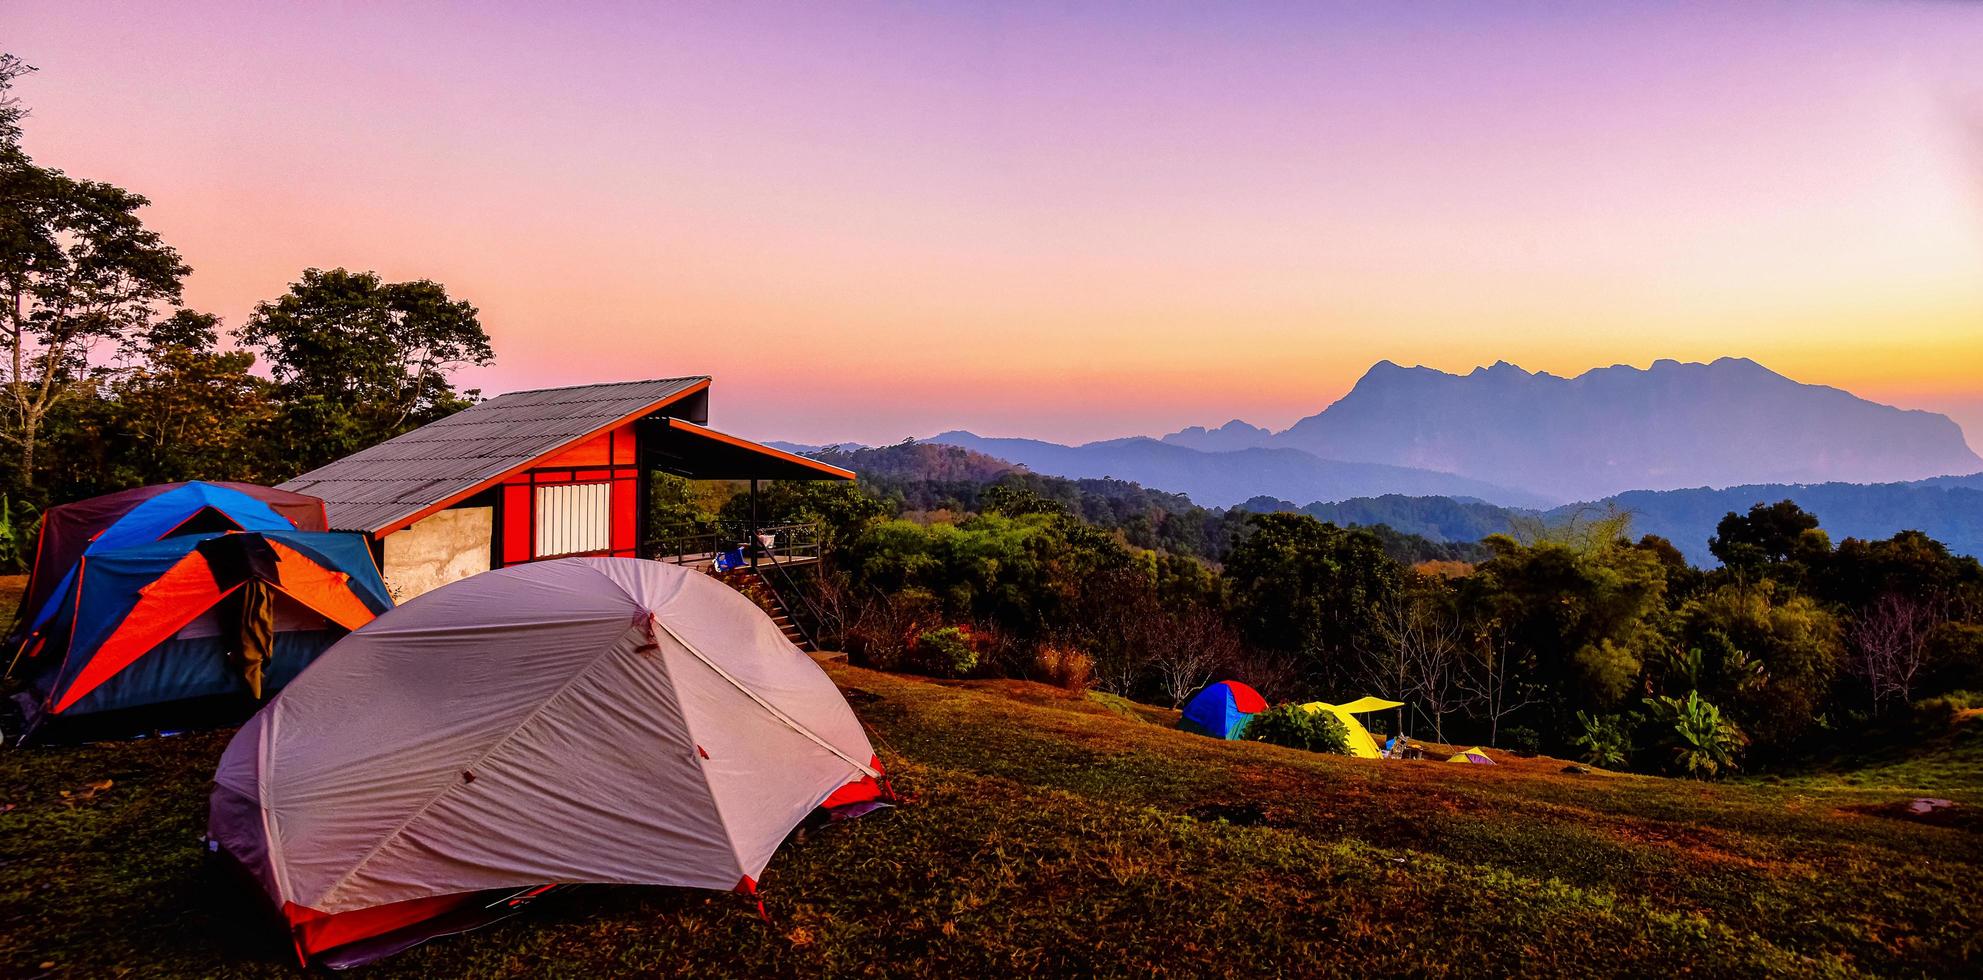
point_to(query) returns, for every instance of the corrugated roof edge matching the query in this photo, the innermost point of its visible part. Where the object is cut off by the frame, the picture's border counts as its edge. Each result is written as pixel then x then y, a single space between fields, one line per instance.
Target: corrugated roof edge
pixel 837 472
pixel 602 384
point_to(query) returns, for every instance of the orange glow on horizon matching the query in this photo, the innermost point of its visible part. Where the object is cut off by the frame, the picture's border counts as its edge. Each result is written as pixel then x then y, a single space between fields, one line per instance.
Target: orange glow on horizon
pixel 1071 225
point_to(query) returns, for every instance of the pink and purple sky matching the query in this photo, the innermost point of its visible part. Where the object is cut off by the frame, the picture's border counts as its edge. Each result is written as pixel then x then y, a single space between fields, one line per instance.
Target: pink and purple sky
pixel 1067 221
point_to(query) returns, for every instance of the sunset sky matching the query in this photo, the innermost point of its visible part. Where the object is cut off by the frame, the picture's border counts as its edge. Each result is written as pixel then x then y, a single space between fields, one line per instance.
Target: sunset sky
pixel 1070 221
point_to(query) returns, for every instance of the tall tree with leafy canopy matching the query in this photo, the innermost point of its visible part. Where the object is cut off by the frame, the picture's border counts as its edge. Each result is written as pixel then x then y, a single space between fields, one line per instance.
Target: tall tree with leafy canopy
pixel 189 410
pixel 1581 623
pixel 1766 655
pixel 78 269
pixel 1312 589
pixel 358 360
pixel 1769 535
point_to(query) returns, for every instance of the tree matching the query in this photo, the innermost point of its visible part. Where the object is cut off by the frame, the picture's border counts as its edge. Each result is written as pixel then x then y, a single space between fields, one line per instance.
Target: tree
pixel 841 509
pixel 1585 529
pixel 1017 500
pixel 358 360
pixel 1495 677
pixel 1311 588
pixel 1767 655
pixel 1682 579
pixel 1860 572
pixel 1414 655
pixel 1583 621
pixel 1024 575
pixel 1115 608
pixel 77 269
pixel 188 410
pixel 1889 641
pixel 1770 534
pixel 1187 649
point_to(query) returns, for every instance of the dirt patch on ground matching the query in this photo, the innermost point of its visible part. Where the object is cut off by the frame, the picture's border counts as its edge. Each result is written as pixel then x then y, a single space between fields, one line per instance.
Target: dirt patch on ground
pixel 1923 811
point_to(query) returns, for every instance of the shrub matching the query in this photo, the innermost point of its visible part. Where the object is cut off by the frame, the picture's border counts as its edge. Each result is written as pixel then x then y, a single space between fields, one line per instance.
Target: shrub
pixel 883 631
pixel 1296 728
pixel 1606 740
pixel 947 652
pixel 1933 716
pixel 1521 740
pixel 1704 744
pixel 1063 666
pixel 18 524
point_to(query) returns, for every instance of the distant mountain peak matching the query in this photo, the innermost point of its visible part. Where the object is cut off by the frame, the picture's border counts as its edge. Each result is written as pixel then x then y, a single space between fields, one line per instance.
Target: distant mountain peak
pixel 1236 434
pixel 1671 424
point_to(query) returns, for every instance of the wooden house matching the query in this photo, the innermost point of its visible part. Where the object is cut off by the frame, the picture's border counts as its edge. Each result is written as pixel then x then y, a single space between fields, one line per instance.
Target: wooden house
pixel 551 473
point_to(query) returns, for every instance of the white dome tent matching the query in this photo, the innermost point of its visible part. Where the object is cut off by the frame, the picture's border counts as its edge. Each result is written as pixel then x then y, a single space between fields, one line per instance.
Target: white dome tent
pixel 574 721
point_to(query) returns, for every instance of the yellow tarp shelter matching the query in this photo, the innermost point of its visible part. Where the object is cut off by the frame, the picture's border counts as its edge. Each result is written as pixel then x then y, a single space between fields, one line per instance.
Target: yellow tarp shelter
pixel 1361 744
pixel 1475 755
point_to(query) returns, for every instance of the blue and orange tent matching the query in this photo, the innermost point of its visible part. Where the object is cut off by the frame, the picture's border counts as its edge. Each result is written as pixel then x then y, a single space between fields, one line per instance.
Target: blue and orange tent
pixel 1221 710
pixel 144 514
pixel 193 628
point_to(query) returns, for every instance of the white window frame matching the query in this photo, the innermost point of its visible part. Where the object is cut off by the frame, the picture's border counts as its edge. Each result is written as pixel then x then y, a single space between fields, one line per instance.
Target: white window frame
pixel 572 519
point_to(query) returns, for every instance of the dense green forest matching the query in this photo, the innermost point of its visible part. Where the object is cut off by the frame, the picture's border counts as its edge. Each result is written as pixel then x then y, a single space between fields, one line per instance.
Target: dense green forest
pixel 1948 508
pixel 1571 634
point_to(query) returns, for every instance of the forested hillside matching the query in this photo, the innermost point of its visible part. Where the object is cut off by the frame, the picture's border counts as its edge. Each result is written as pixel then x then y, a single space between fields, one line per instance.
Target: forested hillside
pixel 1572 632
pixel 1949 509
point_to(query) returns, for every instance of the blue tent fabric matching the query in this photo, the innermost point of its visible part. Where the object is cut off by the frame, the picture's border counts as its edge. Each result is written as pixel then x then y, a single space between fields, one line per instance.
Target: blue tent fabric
pixel 191 669
pixel 187 668
pixel 157 517
pixel 1215 711
pixel 160 516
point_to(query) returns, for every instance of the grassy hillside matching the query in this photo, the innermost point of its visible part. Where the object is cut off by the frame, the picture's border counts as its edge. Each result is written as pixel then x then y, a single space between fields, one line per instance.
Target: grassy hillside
pixel 1059 833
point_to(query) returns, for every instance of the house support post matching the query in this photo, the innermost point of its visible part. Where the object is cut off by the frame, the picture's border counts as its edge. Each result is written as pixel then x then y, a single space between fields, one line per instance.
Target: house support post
pixel 754 542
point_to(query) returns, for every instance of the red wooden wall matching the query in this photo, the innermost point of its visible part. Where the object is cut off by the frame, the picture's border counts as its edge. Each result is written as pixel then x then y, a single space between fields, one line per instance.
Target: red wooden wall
pixel 607 458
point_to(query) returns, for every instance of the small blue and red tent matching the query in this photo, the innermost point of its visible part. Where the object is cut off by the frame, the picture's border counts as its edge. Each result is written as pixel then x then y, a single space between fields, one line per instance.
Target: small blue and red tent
pixel 175 616
pixel 1221 710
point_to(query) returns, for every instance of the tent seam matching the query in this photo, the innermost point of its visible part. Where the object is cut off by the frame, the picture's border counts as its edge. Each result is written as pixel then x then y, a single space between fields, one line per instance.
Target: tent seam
pixel 668 676
pixel 264 759
pixel 774 710
pixel 695 745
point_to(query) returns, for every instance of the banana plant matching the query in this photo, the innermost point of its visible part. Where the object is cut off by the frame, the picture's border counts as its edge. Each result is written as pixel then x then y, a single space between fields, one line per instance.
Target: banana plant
pixel 1704 743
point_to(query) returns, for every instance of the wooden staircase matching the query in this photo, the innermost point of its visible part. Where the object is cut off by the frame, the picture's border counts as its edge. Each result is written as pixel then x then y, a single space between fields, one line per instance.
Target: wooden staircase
pixel 783 617
pixel 758 589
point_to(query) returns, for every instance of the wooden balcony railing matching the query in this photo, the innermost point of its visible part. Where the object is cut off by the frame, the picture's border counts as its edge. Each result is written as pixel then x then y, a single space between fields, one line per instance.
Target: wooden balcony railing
pixel 725 541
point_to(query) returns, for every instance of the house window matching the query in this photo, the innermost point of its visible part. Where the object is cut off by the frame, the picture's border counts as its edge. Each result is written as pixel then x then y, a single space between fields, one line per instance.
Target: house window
pixel 574 519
